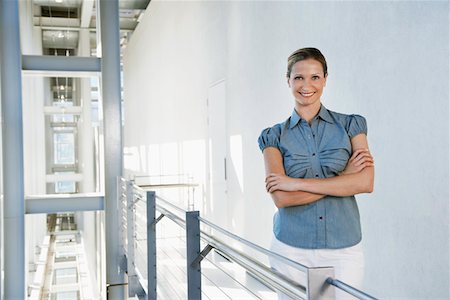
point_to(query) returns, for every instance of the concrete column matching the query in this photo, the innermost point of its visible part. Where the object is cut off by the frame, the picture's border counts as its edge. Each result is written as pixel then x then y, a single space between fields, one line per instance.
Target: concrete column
pixel 13 182
pixel 110 87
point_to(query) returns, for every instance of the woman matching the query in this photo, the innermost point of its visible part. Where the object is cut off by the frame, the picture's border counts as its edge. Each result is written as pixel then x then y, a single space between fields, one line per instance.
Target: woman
pixel 316 161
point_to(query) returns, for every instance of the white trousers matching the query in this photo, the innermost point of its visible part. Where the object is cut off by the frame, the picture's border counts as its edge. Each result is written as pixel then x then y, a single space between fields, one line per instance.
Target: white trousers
pixel 348 264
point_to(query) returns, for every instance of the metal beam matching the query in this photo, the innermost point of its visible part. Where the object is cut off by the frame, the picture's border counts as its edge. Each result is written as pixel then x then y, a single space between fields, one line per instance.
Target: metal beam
pixel 112 118
pixel 62 65
pixel 46 204
pixel 12 144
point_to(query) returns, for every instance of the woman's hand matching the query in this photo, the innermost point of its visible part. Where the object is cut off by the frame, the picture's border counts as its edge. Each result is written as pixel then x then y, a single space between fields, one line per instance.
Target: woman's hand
pixel 360 159
pixel 280 182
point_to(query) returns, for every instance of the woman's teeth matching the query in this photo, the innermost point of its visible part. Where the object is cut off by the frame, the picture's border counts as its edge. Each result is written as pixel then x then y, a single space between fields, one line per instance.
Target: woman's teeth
pixel 307 94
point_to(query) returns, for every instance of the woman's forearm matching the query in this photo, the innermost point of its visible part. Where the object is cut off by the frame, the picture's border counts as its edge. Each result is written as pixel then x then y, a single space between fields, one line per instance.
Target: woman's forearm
pixel 359 181
pixel 345 185
pixel 286 191
pixel 312 189
pixel 274 163
pixel 285 199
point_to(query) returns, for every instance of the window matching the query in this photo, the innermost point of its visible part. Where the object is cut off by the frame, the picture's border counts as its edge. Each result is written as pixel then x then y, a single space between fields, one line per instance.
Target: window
pixel 64 148
pixel 65 276
pixel 63 257
pixel 74 295
pixel 65 187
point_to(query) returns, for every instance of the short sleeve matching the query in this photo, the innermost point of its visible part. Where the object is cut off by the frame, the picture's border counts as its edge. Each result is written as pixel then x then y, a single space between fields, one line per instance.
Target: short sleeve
pixel 356 124
pixel 270 137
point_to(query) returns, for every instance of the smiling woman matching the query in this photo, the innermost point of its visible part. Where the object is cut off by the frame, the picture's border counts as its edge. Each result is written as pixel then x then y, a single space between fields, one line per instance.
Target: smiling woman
pixel 316 161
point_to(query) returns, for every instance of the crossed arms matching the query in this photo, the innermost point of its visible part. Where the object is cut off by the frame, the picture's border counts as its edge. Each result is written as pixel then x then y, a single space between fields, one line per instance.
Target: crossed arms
pixel 285 191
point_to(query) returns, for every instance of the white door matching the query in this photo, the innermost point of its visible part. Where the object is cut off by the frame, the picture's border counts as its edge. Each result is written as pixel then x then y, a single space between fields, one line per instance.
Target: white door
pixel 217 150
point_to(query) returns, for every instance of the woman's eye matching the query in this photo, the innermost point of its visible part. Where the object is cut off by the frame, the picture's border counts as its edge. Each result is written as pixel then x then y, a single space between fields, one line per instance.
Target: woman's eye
pixel 315 77
pixel 298 78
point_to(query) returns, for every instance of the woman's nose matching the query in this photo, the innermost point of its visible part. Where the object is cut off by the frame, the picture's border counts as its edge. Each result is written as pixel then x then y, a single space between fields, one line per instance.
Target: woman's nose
pixel 306 83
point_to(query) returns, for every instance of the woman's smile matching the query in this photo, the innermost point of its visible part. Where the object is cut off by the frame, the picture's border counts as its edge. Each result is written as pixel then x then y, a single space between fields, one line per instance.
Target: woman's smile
pixel 306 94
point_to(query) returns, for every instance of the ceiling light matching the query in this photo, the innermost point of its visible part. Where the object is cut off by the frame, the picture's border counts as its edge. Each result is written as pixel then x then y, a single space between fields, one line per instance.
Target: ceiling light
pixel 58 1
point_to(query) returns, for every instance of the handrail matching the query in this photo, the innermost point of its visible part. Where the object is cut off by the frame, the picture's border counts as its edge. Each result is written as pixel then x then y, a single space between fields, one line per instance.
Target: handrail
pixel 171 205
pixel 233 236
pixel 318 279
pixel 169 185
pixel 254 246
pixel 182 180
pixel 171 216
pixel 349 289
pixel 260 271
pixel 255 268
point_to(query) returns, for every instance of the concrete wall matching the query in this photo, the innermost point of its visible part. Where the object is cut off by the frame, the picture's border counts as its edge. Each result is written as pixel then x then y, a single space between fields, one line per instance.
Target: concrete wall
pixel 388 61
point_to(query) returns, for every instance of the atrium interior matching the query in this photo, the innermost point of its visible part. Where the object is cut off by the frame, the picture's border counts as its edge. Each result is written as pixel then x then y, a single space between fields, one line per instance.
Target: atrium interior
pixel 130 164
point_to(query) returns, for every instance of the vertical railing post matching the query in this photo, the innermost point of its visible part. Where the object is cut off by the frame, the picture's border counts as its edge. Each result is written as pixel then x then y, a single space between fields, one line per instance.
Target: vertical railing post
pixel 121 189
pixel 318 288
pixel 151 246
pixel 194 279
pixel 132 277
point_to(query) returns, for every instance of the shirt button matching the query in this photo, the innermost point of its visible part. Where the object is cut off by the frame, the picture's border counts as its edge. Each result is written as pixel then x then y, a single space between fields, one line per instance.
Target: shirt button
pixel 321 218
pixel 314 154
pixel 317 175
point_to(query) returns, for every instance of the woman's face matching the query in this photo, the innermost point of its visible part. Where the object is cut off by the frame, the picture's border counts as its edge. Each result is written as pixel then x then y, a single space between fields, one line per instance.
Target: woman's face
pixel 307 81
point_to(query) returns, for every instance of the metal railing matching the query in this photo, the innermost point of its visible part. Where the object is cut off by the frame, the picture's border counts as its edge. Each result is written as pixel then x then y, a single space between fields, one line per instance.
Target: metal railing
pixel 180 182
pixel 138 215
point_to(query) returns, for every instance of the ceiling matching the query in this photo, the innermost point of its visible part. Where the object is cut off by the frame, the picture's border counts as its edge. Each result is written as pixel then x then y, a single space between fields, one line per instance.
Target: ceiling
pixel 61 21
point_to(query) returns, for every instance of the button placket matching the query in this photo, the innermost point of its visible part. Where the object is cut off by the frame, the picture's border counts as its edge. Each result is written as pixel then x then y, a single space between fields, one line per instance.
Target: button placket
pixel 317 172
pixel 321 225
pixel 313 156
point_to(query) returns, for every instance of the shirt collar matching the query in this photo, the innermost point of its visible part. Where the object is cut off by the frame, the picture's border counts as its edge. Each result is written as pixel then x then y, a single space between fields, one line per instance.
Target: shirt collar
pixel 324 114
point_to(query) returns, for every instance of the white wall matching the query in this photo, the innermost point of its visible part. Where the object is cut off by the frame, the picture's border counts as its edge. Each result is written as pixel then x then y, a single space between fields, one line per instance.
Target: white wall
pixel 388 61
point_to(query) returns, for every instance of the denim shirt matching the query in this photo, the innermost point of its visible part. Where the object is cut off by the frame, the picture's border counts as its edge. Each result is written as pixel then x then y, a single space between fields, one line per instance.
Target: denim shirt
pixel 320 150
